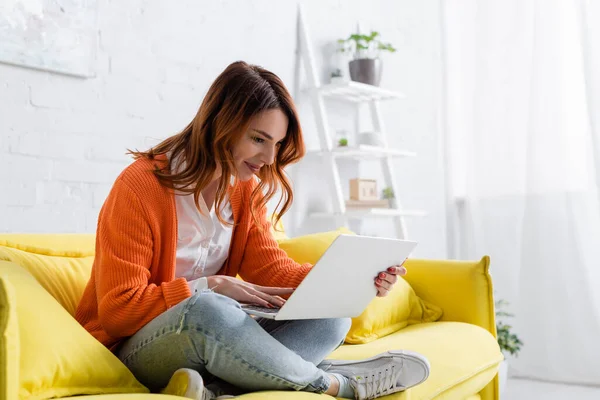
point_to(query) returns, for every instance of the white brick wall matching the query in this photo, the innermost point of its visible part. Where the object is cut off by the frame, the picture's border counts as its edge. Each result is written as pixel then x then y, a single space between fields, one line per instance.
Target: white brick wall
pixel 63 139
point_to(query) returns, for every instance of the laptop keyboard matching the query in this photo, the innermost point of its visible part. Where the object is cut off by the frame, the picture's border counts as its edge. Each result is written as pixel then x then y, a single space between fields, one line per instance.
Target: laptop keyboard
pixel 266 310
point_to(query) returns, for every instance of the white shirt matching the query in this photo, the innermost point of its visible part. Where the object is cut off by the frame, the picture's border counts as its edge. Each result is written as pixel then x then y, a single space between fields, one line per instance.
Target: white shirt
pixel 202 240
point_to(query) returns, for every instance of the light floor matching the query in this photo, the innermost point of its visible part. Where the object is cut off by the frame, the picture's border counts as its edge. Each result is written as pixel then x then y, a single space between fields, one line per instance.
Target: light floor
pixel 522 389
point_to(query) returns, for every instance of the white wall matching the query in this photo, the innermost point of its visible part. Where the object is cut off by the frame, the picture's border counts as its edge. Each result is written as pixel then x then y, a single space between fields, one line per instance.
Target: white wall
pixel 63 139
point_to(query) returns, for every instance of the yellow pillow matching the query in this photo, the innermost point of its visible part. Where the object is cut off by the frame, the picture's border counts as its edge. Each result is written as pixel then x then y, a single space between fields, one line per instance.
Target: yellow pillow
pixel 309 248
pixel 278 231
pixel 51 244
pixel 384 315
pixel 58 358
pixel 9 343
pixel 64 277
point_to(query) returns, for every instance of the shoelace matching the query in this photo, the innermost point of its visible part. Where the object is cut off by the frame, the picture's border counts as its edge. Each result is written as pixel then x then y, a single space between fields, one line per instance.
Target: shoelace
pixel 377 383
pixel 208 395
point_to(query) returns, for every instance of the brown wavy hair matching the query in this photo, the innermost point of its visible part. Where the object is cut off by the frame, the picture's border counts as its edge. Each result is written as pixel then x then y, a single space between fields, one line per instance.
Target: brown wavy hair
pixel 239 93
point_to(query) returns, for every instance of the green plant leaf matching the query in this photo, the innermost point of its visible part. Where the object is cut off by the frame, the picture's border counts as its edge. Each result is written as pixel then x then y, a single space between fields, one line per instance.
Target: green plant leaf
pixel 387 193
pixel 386 46
pixel 363 42
pixel 504 314
pixel 507 340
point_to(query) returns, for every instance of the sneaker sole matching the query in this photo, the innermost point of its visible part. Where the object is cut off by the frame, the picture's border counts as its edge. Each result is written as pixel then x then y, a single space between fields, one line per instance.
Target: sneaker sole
pixel 185 383
pixel 420 359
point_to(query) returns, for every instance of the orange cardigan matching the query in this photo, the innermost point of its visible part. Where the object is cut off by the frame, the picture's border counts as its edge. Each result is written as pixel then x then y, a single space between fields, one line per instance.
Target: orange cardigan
pixel 133 275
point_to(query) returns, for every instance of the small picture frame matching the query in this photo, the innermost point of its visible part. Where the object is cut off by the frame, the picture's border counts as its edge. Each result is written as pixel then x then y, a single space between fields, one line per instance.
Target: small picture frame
pixel 363 189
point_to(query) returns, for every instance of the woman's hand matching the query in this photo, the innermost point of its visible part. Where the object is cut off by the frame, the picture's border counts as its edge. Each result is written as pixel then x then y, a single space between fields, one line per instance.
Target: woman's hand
pixel 245 292
pixel 385 280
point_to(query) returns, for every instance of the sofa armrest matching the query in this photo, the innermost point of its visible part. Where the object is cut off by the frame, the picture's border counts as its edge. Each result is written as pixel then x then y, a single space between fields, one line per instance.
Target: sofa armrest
pixel 463 289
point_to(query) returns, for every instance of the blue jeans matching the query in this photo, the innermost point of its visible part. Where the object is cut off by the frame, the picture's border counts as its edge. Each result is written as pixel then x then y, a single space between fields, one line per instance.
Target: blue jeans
pixel 210 333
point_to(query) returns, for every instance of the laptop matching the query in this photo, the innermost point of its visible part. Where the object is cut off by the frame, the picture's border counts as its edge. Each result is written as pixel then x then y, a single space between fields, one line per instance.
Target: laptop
pixel 341 283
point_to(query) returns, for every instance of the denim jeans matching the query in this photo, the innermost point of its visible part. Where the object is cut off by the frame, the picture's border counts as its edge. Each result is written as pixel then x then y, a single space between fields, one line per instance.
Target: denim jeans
pixel 210 333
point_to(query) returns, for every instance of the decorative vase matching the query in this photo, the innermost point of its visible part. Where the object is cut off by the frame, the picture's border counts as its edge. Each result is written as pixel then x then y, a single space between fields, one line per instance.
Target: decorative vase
pixel 366 70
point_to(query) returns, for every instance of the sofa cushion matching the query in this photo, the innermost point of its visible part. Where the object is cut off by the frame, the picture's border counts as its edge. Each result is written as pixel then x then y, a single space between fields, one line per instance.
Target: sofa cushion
pixel 58 357
pixel 64 276
pixel 272 395
pixel 385 315
pixel 309 248
pixel 51 244
pixel 463 357
pixel 9 342
pixel 267 395
pixel 132 396
pixel 278 231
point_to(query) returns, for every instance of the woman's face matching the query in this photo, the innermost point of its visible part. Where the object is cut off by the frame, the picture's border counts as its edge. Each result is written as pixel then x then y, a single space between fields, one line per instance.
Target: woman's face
pixel 260 144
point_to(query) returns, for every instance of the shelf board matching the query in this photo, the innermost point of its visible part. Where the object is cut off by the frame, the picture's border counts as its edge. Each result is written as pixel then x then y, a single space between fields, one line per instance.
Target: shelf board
pixel 371 212
pixel 358 92
pixel 366 151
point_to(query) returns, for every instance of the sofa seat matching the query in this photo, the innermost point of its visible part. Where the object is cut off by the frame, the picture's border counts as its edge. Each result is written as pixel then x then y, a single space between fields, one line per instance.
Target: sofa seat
pixel 256 396
pixel 463 357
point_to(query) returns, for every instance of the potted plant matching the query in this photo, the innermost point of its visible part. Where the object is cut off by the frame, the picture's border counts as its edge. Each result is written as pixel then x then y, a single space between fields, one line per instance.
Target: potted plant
pixel 341 138
pixel 508 341
pixel 366 66
pixel 336 76
pixel 388 194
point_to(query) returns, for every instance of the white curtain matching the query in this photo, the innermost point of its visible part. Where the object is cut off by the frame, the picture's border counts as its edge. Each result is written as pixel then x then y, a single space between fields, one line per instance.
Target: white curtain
pixel 522 140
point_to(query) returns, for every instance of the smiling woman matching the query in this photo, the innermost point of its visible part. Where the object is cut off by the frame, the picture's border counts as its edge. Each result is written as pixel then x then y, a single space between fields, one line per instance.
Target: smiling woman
pixel 259 148
pixel 182 222
pixel 244 105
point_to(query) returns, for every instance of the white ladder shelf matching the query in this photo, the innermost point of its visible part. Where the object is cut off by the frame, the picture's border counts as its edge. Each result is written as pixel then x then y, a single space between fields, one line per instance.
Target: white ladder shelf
pixel 353 92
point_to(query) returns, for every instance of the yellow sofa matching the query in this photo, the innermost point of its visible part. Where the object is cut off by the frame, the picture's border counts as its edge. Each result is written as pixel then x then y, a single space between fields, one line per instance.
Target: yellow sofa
pixel 461 347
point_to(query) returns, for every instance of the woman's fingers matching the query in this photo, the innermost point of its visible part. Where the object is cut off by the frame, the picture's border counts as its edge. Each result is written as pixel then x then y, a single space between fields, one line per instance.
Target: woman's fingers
pixel 391 278
pixel 274 300
pixel 383 284
pixel 280 299
pixel 397 270
pixel 254 299
pixel 381 291
pixel 275 291
pixel 245 292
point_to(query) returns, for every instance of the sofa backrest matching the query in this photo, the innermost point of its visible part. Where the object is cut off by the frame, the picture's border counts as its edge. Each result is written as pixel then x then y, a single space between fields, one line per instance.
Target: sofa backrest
pixel 61 263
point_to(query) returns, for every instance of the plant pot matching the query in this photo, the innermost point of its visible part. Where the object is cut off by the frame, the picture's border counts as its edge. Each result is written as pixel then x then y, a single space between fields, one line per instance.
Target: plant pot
pixel 370 139
pixel 366 70
pixel 337 80
pixel 503 377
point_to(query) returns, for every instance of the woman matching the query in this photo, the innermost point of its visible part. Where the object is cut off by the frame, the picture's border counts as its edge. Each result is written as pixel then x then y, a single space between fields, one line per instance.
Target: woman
pixel 177 227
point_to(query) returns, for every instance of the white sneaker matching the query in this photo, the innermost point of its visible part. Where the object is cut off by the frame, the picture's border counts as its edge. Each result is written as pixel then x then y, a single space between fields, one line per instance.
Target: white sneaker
pixel 188 383
pixel 386 373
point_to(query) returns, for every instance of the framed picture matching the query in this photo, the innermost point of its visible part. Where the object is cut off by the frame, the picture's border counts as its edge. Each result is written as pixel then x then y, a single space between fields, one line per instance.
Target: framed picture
pixel 59 36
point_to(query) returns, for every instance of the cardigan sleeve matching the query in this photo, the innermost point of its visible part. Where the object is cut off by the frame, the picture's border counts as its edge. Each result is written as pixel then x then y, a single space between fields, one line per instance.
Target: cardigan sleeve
pixel 124 253
pixel 264 263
